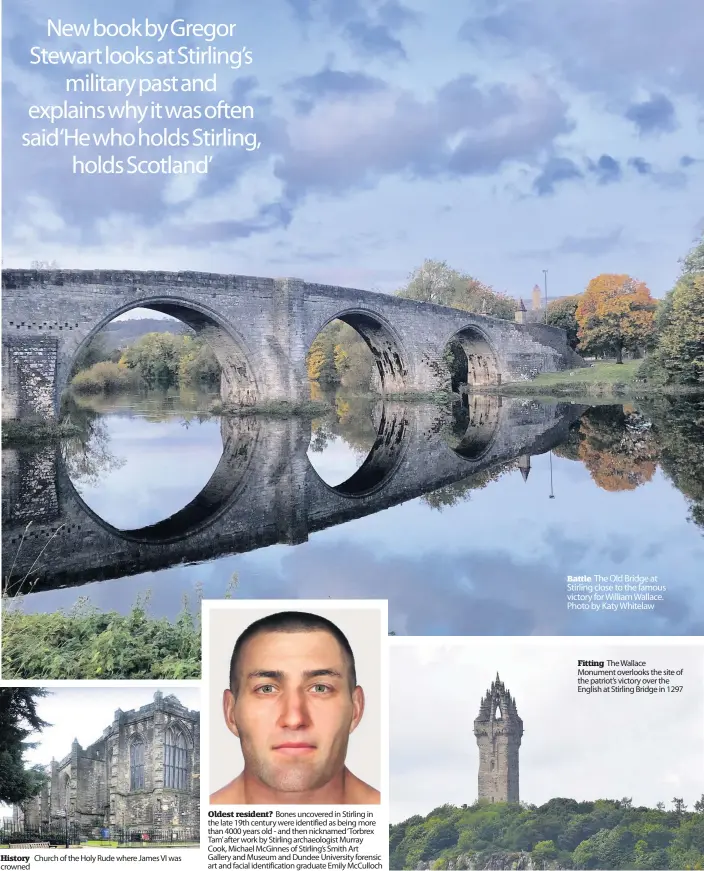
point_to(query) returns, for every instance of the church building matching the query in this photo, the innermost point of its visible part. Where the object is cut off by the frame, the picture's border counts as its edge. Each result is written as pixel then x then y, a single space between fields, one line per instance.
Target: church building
pixel 142 773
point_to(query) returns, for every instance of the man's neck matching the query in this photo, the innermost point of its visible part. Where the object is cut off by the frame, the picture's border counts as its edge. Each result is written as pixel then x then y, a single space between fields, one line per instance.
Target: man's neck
pixel 256 792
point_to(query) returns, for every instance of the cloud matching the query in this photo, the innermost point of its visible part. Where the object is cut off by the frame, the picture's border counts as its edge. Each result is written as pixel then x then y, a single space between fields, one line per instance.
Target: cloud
pixel 656 115
pixel 606 169
pixel 641 165
pixel 329 83
pixel 369 28
pixel 556 170
pixel 589 245
pixel 601 46
pixel 351 140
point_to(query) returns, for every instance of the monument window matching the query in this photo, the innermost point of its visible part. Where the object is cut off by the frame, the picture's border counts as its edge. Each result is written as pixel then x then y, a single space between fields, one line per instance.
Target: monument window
pixel 175 760
pixel 137 764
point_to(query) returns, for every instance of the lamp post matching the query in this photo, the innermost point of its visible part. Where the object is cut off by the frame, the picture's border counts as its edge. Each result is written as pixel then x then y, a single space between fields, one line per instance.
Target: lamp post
pixel 545 282
pixel 552 495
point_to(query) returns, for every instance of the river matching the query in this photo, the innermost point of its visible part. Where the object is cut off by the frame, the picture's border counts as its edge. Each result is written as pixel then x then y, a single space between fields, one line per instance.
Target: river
pixel 468 523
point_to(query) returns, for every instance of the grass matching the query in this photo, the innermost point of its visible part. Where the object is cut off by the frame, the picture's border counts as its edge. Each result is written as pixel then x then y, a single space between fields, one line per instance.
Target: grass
pixel 604 378
pixel 32 432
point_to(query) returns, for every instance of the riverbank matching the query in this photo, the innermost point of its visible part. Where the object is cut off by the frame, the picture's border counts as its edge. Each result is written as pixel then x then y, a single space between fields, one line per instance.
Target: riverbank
pixel 605 379
pixel 16 433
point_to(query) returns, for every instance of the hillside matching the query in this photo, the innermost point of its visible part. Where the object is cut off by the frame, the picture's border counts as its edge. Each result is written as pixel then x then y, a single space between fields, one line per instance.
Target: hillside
pixel 119 334
pixel 563 833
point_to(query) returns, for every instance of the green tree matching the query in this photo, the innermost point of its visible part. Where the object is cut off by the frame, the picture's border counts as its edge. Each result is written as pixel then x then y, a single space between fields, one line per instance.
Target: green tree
pixel 693 263
pixel 562 314
pixel 18 720
pixel 544 851
pixel 680 348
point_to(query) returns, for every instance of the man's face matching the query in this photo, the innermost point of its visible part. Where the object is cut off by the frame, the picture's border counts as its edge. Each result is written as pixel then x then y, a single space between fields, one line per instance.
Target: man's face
pixel 294 711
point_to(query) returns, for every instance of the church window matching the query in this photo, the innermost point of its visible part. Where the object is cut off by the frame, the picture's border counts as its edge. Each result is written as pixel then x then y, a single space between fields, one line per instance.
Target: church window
pixel 175 760
pixel 137 764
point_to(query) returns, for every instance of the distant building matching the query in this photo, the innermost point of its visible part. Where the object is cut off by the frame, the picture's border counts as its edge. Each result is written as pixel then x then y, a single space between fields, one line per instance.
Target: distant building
pixel 520 313
pixel 498 730
pixel 144 772
pixel 537 301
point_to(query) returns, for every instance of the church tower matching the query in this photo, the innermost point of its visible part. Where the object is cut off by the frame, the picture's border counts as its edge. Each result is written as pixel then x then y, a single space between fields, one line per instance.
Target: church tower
pixel 498 730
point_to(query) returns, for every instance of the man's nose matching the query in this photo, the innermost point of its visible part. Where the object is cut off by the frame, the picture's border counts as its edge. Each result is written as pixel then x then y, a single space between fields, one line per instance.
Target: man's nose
pixel 294 711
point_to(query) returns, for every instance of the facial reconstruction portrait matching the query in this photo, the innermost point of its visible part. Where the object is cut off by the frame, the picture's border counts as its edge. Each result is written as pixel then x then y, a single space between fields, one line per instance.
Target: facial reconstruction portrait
pixel 294 700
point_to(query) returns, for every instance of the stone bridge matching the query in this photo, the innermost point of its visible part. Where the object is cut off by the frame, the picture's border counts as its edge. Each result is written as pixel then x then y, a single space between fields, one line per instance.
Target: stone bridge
pixel 264 490
pixel 260 329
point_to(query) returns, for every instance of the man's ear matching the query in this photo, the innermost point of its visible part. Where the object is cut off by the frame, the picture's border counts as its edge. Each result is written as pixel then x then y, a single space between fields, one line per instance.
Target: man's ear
pixel 357 707
pixel 228 709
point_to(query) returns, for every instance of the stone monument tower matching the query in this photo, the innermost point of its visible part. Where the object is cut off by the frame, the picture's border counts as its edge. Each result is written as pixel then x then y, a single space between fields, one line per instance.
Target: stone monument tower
pixel 498 730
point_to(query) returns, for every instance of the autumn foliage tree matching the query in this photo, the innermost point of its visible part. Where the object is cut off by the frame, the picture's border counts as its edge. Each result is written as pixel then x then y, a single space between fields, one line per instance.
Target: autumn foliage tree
pixel 617 447
pixel 615 313
pixel 434 281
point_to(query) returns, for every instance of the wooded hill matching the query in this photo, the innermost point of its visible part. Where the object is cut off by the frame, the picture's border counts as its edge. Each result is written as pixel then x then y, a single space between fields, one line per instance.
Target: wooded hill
pixel 563 833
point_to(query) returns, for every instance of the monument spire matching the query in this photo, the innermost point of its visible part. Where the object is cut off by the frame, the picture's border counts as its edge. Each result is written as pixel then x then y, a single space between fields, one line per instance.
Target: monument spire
pixel 498 730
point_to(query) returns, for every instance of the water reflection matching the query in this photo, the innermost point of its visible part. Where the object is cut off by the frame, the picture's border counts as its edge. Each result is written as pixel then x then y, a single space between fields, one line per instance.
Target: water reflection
pixel 458 545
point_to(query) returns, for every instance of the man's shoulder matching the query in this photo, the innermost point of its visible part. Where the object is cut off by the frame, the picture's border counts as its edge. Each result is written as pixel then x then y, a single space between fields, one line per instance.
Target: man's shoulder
pixel 359 792
pixel 232 793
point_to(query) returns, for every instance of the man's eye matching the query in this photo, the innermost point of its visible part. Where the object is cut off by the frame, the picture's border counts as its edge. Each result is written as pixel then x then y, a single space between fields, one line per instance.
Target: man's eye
pixel 321 688
pixel 267 689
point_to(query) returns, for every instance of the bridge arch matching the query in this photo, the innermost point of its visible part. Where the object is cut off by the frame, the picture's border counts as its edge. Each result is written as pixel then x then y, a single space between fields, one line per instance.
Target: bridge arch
pixel 238 383
pixel 384 457
pixel 471 359
pixel 390 372
pixel 475 425
pixel 224 487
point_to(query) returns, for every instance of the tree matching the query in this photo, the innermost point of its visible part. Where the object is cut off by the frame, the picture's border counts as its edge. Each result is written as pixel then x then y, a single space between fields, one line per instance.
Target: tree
pixel 18 719
pixel 321 359
pixel 618 448
pixel 680 806
pixel 615 313
pixel 434 281
pixel 693 263
pixel 562 314
pixel 699 805
pixel 680 349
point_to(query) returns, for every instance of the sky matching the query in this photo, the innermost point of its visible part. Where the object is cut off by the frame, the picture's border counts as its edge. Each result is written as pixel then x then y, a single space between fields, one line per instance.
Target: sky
pixel 97 708
pixel 574 745
pixel 502 137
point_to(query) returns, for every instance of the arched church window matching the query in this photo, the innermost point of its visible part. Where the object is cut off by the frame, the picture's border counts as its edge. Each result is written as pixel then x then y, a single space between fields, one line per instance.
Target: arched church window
pixel 137 764
pixel 175 760
pixel 67 792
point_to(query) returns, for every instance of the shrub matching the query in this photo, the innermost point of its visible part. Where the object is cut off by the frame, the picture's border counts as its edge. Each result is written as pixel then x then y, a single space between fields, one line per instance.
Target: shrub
pixel 105 377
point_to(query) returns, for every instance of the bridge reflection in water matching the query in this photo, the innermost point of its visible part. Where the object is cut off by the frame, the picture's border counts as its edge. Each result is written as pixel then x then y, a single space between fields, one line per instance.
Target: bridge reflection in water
pixel 264 490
